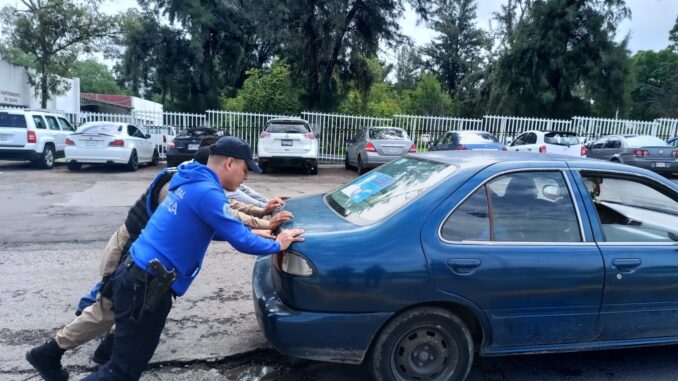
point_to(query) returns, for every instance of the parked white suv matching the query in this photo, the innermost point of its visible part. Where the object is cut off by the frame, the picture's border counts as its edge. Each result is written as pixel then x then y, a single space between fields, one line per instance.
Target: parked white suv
pixel 38 136
pixel 557 142
pixel 288 142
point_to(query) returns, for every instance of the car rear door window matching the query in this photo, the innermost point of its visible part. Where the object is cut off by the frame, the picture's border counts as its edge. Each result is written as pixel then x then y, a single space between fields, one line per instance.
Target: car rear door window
pixel 52 123
pixel 471 221
pixel 613 142
pixel 633 210
pixel 533 207
pixel 39 122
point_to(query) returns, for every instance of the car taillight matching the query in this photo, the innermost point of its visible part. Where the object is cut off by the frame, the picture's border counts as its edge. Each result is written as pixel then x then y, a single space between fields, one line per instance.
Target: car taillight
pixel 292 263
pixel 461 148
pixel 117 143
pixel 542 149
pixel 674 154
pixel 170 145
pixel 583 151
pixel 309 135
pixel 413 149
pixel 369 147
pixel 264 135
pixel 640 153
pixel 30 136
pixel 69 142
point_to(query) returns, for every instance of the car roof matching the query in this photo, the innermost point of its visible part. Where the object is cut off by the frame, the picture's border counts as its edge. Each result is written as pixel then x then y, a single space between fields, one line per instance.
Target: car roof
pixel 287 120
pixel 481 159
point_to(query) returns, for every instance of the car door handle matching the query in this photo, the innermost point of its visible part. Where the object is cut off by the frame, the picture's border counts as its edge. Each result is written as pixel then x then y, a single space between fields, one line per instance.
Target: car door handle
pixel 626 264
pixel 463 265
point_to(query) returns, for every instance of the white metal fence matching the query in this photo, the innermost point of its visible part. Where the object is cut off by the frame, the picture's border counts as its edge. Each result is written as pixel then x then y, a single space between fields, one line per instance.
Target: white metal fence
pixel 333 129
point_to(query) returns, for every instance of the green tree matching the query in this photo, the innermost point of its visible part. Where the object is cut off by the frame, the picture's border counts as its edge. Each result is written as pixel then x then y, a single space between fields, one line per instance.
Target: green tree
pixel 673 36
pixel 428 98
pixel 409 66
pixel 96 78
pixel 267 91
pixel 458 49
pixel 561 59
pixel 53 33
pixel 654 93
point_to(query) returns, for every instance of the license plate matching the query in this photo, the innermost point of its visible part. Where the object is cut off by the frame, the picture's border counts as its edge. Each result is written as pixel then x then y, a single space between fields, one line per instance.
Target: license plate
pixel 660 165
pixel 286 142
pixel 4 138
pixel 193 147
pixel 90 143
pixel 392 151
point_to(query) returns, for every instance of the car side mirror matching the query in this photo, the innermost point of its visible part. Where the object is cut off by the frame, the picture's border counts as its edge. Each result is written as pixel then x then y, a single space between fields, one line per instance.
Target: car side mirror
pixel 147 136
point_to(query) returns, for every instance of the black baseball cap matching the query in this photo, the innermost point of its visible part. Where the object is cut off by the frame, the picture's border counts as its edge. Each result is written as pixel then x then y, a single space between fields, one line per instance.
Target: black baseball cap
pixel 236 148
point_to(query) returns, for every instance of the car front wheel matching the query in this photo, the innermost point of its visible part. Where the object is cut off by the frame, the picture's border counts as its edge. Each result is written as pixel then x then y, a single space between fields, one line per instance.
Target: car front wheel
pixel 426 343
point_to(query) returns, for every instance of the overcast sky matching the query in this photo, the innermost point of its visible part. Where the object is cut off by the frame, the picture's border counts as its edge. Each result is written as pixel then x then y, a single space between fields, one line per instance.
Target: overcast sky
pixel 649 26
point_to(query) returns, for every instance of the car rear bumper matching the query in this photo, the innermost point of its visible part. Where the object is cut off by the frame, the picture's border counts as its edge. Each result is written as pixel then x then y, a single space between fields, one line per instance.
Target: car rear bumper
pixel 321 336
pixel 285 161
pixel 375 160
pixel 175 157
pixel 18 154
pixel 668 165
pixel 98 156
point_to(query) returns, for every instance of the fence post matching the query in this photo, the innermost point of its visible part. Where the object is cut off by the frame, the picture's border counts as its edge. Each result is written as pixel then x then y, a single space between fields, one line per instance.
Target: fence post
pixel 502 129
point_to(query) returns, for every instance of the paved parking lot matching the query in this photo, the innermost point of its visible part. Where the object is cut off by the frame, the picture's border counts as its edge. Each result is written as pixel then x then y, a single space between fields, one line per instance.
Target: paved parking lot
pixel 55 223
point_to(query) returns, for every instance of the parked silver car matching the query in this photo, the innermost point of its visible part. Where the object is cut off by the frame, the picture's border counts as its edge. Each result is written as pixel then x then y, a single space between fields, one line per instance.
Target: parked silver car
pixel 643 151
pixel 374 146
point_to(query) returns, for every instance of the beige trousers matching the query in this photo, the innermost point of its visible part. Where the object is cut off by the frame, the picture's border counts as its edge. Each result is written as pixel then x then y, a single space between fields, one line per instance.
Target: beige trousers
pixel 97 318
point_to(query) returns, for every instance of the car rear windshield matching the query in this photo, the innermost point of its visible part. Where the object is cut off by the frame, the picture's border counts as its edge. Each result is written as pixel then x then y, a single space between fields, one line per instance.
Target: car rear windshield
pixel 386 189
pixel 645 141
pixel 561 138
pixel 387 134
pixel 12 120
pixel 287 128
pixel 108 129
pixel 196 133
pixel 477 138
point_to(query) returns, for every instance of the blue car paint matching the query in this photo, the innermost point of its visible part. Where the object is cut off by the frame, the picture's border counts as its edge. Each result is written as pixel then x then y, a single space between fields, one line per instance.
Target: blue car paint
pixel 361 277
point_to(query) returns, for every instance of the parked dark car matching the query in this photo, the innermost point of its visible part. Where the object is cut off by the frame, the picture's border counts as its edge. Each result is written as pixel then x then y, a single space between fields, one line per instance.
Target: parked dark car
pixel 415 266
pixel 643 151
pixel 467 140
pixel 185 144
pixel 374 146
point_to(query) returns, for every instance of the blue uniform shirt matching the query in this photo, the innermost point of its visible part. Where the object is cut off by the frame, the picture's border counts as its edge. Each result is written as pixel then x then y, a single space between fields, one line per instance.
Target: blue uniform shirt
pixel 195 212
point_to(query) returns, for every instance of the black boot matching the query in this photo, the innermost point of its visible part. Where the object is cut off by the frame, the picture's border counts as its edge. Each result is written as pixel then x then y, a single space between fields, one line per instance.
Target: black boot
pixel 103 352
pixel 46 359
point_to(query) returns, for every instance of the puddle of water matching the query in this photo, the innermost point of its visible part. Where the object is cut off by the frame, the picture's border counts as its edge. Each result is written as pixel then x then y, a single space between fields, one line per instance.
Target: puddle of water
pixel 252 373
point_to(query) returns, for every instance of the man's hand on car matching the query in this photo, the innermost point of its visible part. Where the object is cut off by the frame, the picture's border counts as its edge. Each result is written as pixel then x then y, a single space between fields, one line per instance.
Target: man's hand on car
pixel 273 204
pixel 287 237
pixel 279 218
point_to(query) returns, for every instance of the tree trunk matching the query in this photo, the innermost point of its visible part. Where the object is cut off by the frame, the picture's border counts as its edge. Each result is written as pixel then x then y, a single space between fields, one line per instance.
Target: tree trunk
pixel 313 68
pixel 44 88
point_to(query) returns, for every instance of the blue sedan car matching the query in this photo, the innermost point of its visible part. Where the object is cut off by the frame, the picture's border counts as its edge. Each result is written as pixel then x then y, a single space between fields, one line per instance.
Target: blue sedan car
pixel 419 265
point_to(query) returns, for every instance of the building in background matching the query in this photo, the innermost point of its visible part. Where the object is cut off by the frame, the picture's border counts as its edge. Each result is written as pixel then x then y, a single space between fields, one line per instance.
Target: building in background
pixel 16 92
pixel 143 111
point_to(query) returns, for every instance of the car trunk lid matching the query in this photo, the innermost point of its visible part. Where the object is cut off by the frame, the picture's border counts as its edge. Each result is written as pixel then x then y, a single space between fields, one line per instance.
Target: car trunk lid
pixel 391 147
pixel 288 143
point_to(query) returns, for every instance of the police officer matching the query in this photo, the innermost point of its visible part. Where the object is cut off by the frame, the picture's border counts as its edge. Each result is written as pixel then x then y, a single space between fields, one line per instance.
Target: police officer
pixel 168 254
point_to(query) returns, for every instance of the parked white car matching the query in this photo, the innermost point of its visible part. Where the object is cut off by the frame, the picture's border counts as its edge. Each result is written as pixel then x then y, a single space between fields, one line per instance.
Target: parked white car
pixel 556 142
pixel 110 143
pixel 38 136
pixel 288 142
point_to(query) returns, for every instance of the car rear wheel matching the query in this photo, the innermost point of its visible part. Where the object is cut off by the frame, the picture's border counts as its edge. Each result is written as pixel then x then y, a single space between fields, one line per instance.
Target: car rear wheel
pixel 46 159
pixel 73 166
pixel 361 168
pixel 426 343
pixel 156 158
pixel 133 163
pixel 347 164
